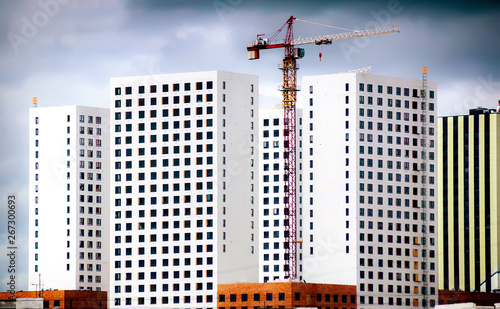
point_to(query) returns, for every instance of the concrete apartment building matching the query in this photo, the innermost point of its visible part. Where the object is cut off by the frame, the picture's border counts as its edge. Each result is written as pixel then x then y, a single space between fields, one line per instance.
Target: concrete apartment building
pixel 271 188
pixel 69 198
pixel 366 200
pixel 184 168
pixel 469 219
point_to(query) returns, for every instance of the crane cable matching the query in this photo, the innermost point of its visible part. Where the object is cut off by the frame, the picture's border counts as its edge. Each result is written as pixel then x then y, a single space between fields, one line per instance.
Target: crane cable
pixel 314 23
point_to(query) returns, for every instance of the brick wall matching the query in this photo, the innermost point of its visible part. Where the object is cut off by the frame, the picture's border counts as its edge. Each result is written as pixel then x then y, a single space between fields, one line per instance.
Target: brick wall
pixel 286 295
pixel 479 298
pixel 67 299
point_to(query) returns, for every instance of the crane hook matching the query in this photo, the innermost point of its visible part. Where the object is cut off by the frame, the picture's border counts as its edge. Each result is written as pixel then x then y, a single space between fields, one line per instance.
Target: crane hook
pixel 320 55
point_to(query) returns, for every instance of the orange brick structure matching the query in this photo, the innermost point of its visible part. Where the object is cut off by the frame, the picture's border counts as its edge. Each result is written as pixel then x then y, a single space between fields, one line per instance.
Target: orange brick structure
pixel 286 295
pixel 479 298
pixel 66 299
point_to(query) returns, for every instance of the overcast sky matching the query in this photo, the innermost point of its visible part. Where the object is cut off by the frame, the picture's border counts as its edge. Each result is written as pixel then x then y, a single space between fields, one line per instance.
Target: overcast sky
pixel 65 51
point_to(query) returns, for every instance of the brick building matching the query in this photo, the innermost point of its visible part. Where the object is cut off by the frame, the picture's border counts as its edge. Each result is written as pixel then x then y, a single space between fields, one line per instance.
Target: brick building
pixel 286 295
pixel 65 299
pixel 479 298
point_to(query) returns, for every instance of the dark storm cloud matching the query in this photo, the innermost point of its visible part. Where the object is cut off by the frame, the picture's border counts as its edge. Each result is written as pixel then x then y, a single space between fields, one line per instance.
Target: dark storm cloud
pixel 315 6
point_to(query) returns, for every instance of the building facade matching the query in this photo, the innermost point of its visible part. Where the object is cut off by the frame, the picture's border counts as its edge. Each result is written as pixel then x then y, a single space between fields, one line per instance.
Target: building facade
pixel 183 188
pixel 69 198
pixel 369 200
pixel 469 146
pixel 271 187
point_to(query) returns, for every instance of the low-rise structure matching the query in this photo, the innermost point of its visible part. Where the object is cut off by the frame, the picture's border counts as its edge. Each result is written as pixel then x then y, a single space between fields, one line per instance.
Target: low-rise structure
pixel 463 297
pixel 286 295
pixel 65 299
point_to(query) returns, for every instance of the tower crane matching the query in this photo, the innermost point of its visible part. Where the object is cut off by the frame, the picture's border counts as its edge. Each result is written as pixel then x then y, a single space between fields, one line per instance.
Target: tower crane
pixel 289 89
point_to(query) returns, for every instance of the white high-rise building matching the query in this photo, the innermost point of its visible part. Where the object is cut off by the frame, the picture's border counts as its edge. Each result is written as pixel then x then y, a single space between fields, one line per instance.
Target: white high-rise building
pixel 271 189
pixel 365 204
pixel 69 198
pixel 183 188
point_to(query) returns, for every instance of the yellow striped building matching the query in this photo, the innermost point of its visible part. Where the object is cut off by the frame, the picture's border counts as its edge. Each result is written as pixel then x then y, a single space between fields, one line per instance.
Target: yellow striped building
pixel 469 149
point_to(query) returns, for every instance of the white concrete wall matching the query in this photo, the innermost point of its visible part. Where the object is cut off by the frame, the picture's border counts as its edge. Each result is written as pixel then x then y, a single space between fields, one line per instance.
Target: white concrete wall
pixel 325 181
pixel 269 211
pixel 57 211
pixel 336 138
pixel 237 174
pixel 231 259
pixel 29 303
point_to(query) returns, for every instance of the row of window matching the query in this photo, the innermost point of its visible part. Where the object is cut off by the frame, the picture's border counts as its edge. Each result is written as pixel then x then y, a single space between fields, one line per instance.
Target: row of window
pixel 399 301
pixel 90 119
pixel 389 164
pixel 165 263
pixel 399 264
pixel 396 115
pixel 276 133
pixel 199 148
pixel 153 101
pixel 165 138
pixel 165 225
pixel 90 233
pixel 164 237
pixel 276 122
pixel 90 176
pixel 380 200
pixel 282 297
pixel 165 113
pixel 389 90
pixel 390 252
pixel 90 221
pixel 90 165
pixel 90 267
pixel 90 142
pixel 165 250
pixel 164 300
pixel 81 245
pixel 414 277
pixel 394 226
pixel 164 200
pixel 90 278
pixel 415 129
pixel 90 154
pixel 165 87
pixel 391 103
pixel 399 239
pixel 391 214
pixel 390 176
pixel 153 287
pixel 90 130
pixel 175 112
pixel 165 213
pixel 165 188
